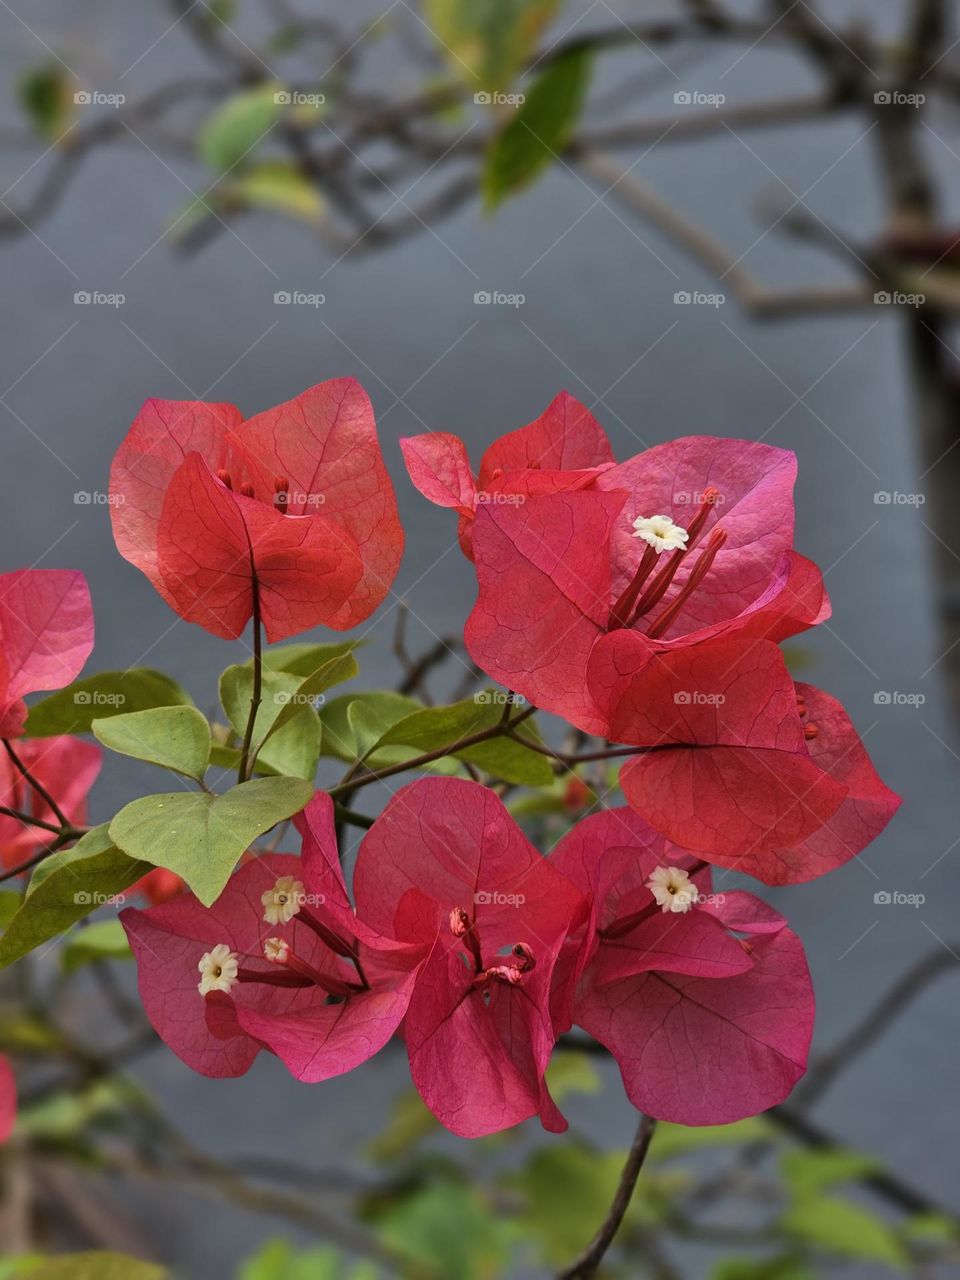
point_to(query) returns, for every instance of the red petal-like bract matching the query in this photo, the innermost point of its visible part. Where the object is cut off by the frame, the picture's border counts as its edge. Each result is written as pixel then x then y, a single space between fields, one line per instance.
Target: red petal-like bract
pixel 8 1099
pixel 220 1034
pixel 66 768
pixel 439 467
pixel 706 1029
pixel 193 505
pixel 46 635
pixel 478 1048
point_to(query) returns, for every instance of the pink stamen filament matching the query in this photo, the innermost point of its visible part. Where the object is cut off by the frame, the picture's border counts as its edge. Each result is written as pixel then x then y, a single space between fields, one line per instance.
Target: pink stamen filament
pixel 350 950
pixel 281 495
pixel 623 607
pixel 661 583
pixel 697 575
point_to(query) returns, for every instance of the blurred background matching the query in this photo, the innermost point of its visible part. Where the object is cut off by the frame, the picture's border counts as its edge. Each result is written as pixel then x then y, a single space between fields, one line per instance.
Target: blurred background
pixel 722 226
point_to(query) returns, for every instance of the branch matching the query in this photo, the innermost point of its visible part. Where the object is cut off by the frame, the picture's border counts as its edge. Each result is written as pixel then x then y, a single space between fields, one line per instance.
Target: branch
pixel 589 1261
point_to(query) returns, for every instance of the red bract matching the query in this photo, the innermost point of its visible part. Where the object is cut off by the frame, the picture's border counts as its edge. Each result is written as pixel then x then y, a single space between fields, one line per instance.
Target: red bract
pixel 747 768
pixel 294 504
pixel 706 1028
pixel 445 867
pixel 284 961
pixel 46 635
pixel 688 541
pixel 8 1099
pixel 66 768
pixel 565 448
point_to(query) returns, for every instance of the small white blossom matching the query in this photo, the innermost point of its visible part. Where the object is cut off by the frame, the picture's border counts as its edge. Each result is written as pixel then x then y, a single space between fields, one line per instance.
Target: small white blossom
pixel 673 889
pixel 218 969
pixel 282 902
pixel 276 950
pixel 660 533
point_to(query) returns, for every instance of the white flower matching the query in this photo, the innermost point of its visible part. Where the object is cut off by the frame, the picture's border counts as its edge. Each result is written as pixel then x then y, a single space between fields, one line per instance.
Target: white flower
pixel 218 969
pixel 276 950
pixel 660 533
pixel 282 902
pixel 673 889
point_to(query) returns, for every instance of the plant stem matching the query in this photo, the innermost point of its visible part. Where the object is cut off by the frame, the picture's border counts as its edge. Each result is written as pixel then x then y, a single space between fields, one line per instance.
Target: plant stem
pixel 38 787
pixel 28 820
pixel 247 761
pixel 587 1263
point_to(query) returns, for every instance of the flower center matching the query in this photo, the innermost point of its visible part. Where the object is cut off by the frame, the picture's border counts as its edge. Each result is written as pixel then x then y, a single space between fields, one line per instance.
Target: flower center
pixel 513 967
pixel 647 588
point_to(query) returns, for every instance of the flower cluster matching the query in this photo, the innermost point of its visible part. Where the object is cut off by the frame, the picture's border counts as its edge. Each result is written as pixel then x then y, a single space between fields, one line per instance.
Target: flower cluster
pixel 482 953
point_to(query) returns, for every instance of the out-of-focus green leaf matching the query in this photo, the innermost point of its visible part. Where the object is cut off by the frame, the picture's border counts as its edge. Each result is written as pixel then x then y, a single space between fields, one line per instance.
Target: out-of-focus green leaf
pixel 843 1228
pixel 567 1191
pixel 111 693
pixel 279 188
pixel 279 1260
pixel 96 1266
pixel 79 880
pixel 781 1267
pixel 571 1071
pixel 46 95
pixel 232 133
pixel 449 1228
pixel 488 41
pixel 176 738
pixel 538 132
pixel 814 1171
pixel 935 1227
pixel 201 837
pixel 105 940
pixel 671 1140
pixel 430 728
pixel 9 903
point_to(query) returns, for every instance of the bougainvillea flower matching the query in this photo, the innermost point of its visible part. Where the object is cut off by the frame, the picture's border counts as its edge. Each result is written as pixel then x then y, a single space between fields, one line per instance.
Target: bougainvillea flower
pixel 159 885
pixel 706 1027
pixel 565 448
pixel 294 505
pixel 8 1099
pixel 280 961
pixel 744 766
pixel 688 541
pixel 46 635
pixel 446 867
pixel 66 768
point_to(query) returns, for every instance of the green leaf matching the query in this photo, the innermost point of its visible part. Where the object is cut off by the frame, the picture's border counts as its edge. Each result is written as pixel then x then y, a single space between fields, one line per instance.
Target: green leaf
pixel 201 837
pixel 9 903
pixel 96 1266
pixel 409 1124
pixel 72 884
pixel 670 1140
pixel 571 1071
pixel 844 1228
pixel 807 1172
pixel 339 737
pixel 294 748
pixel 449 1229
pixel 487 41
pixel 233 131
pixel 430 728
pixel 279 1260
pixel 176 738
pixel 279 188
pixel 105 940
pixel 539 130
pixel 934 1227
pixel 781 1267
pixel 112 693
pixel 46 95
pixel 567 1191
pixel 303 659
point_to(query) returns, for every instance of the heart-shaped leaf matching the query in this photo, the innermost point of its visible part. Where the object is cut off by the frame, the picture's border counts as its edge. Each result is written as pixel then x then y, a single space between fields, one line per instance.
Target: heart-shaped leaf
pixel 176 738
